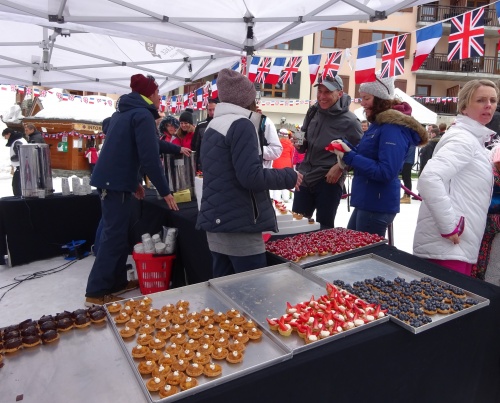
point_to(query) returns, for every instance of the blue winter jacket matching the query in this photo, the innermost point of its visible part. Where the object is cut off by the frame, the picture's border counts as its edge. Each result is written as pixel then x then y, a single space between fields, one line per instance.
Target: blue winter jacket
pixel 131 145
pixel 379 158
pixel 235 184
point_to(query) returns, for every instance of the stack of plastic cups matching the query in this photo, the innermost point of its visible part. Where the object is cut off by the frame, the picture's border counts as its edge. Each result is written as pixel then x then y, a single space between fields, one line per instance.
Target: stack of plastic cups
pixel 156 238
pixel 139 248
pixel 159 247
pixel 75 182
pixel 86 185
pixel 170 240
pixel 65 187
pixel 148 243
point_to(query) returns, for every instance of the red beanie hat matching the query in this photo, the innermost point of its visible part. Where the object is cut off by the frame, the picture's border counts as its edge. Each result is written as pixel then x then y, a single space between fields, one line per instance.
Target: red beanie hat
pixel 143 85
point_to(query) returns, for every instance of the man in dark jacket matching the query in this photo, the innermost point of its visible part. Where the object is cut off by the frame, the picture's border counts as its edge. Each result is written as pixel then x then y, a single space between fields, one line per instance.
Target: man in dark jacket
pixel 34 136
pixel 200 129
pixel 427 150
pixel 329 119
pixel 236 207
pixel 131 146
pixel 14 141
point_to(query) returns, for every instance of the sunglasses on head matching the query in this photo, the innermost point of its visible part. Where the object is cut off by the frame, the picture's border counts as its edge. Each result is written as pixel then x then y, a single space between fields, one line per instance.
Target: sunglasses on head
pixel 330 79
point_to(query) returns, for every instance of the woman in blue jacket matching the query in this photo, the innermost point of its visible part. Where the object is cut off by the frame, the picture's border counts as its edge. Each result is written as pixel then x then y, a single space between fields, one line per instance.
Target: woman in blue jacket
pixel 379 157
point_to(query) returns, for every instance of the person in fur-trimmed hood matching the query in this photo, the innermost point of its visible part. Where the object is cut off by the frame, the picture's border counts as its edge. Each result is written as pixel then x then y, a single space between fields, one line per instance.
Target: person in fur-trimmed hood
pixel 379 157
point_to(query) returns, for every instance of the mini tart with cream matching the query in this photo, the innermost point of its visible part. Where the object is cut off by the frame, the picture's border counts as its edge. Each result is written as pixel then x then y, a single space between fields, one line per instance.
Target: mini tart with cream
pixel 146 367
pixel 189 383
pixel 153 312
pixel 206 320
pixel 157 343
pixel 168 390
pixel 180 365
pixel 201 358
pixel 207 339
pixel 207 312
pixel 133 323
pixel 194 315
pixel 154 384
pixel 178 338
pixel 143 339
pixel 194 369
pixel 235 357
pixel 163 333
pixel 210 329
pixel 162 323
pixel 241 337
pixel 174 349
pixel 192 324
pixel 153 355
pixel 142 307
pixel 115 307
pixel 131 303
pixel 140 351
pixel 219 317
pixel 137 315
pixel 150 320
pixel 254 333
pixel 179 319
pixel 212 370
pixel 191 344
pixel 161 371
pixel 168 308
pixel 148 329
pixel 195 333
pixel 249 325
pixel 239 319
pixel 167 359
pixel 186 355
pixel 205 348
pixel 177 328
pixel 236 346
pixel 226 325
pixel 220 353
pixel 182 304
pixel 147 300
pixel 122 317
pixel 232 313
pixel 221 342
pixel 127 332
pixel 175 377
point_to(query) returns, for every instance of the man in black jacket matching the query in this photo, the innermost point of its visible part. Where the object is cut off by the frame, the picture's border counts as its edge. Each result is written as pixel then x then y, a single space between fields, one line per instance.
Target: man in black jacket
pixel 200 129
pixel 34 136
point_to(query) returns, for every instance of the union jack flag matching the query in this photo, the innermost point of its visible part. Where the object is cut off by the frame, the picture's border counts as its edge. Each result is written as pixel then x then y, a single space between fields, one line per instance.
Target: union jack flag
pixel 467 35
pixel 332 64
pixel 191 99
pixel 393 58
pixel 290 70
pixel 263 69
pixel 205 95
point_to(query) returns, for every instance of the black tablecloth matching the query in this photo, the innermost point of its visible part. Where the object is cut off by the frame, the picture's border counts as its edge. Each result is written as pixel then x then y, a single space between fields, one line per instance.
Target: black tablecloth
pixel 458 361
pixel 35 229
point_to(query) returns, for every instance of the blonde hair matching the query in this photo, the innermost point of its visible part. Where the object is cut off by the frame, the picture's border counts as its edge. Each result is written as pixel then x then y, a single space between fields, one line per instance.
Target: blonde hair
pixel 467 92
pixel 181 134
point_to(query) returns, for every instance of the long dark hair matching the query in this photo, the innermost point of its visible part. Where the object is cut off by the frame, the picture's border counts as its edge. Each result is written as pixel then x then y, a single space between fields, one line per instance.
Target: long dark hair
pixel 381 105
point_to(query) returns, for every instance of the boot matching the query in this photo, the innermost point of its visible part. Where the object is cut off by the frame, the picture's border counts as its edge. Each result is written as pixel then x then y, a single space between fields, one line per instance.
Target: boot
pixel 406 199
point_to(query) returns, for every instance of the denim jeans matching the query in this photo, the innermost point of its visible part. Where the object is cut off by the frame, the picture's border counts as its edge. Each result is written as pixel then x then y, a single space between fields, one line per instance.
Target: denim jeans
pixel 370 221
pixel 224 265
pixel 322 197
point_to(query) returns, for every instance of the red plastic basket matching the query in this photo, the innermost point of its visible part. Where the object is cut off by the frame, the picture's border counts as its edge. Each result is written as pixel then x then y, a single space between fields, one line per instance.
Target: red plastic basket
pixel 154 271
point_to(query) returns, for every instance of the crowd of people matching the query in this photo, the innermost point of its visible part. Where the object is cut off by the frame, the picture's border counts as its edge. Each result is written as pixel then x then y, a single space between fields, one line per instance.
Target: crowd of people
pixel 246 163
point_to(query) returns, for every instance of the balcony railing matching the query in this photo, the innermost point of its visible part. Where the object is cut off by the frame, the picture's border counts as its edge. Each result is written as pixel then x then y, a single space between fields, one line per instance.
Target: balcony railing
pixel 484 64
pixel 448 108
pixel 435 13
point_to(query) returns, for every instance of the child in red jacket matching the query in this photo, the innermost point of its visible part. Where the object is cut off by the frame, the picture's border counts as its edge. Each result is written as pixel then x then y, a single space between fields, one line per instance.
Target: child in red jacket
pixel 92 156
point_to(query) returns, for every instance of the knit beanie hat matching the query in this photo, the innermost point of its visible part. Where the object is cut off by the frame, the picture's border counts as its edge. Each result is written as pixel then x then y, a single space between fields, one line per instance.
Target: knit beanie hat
pixel 186 116
pixel 143 85
pixel 235 88
pixel 382 88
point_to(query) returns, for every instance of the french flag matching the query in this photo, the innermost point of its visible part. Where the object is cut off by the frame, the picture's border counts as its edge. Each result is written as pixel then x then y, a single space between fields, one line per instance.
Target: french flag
pixel 252 71
pixel 199 98
pixel 314 62
pixel 214 90
pixel 185 100
pixel 365 64
pixel 427 38
pixel 173 103
pixel 274 74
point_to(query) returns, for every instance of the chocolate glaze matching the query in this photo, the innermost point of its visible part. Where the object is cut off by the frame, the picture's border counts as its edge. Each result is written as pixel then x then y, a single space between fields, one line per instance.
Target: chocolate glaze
pixel 45 318
pixel 11 334
pixel 63 315
pixel 32 339
pixel 27 323
pixel 48 325
pixel 13 343
pixel 49 335
pixel 82 319
pixel 64 323
pixel 97 315
pixel 29 331
pixel 79 312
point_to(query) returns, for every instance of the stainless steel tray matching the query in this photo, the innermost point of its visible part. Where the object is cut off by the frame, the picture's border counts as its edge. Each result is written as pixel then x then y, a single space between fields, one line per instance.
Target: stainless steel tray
pixel 370 266
pixel 310 261
pixel 258 354
pixel 263 293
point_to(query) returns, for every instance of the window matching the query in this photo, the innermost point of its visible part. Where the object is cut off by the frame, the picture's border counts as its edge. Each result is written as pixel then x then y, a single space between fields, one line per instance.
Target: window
pixel 366 36
pixel 423 90
pixel 281 90
pixel 295 44
pixel 345 80
pixel 338 38
pixel 401 84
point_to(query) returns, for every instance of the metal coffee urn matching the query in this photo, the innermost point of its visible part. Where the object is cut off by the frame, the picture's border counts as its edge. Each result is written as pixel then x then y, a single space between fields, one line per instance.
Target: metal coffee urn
pixel 181 172
pixel 36 172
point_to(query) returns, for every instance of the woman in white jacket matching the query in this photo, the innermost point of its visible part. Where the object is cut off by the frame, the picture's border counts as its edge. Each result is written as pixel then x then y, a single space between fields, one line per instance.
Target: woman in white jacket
pixel 456 184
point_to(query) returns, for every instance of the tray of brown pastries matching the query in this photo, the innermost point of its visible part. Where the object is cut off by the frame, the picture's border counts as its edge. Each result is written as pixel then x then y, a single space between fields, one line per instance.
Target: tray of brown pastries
pixel 413 300
pixel 300 310
pixel 188 339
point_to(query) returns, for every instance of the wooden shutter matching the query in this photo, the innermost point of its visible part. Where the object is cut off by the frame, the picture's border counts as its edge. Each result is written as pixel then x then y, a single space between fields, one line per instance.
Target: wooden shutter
pixel 356 91
pixel 296 44
pixel 345 80
pixel 365 36
pixel 344 38
pixel 401 84
pixel 408 45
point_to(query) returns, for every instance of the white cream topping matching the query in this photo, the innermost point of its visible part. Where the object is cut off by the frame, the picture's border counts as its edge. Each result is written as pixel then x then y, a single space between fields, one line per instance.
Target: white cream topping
pixel 176 327
pixel 312 337
pixel 207 309
pixel 339 329
pixel 146 326
pixel 181 362
pixel 370 317
pixel 148 317
pixel 235 353
pixel 358 322
pixel 310 320
pixel 127 328
pixel 166 355
pixel 194 364
pixel 212 366
pixel 132 320
pixel 163 330
pixel 157 380
pixel 173 345
pixel 138 347
pixel 188 379
pixel 324 333
pixel 176 373
pixel 219 350
pixel 161 368
pixel 148 363
pixel 168 387
pixel 222 339
pixel 205 346
pixel 381 314
pixel 186 352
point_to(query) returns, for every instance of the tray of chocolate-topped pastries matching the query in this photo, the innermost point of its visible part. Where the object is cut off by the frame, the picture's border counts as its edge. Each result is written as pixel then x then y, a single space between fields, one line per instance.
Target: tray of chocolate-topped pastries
pixel 185 340
pixel 411 299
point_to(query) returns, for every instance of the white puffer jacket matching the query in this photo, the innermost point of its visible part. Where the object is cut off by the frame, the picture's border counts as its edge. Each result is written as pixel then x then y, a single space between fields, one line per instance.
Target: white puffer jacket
pixel 457 181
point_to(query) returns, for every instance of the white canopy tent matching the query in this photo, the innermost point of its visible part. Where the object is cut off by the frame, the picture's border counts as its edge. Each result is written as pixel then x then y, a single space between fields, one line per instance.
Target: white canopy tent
pixel 419 111
pixel 232 27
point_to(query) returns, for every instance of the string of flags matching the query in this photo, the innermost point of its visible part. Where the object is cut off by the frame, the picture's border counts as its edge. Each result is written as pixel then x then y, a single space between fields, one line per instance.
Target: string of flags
pixel 72 134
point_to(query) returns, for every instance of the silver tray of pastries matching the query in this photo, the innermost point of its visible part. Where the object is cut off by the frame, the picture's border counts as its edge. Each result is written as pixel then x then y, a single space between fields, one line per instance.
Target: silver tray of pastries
pixel 413 300
pixel 287 293
pixel 195 343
